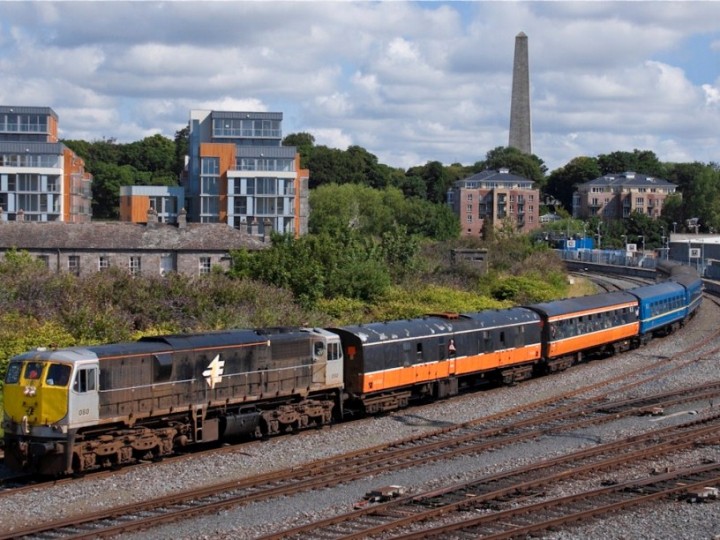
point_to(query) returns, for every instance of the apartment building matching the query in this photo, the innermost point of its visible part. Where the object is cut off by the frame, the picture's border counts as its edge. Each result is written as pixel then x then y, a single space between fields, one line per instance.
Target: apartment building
pixel 165 202
pixel 498 198
pixel 40 178
pixel 240 174
pixel 616 196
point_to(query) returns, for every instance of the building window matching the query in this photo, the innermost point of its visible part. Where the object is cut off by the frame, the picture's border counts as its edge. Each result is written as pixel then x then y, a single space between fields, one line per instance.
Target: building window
pixel 210 166
pixel 74 264
pixel 204 265
pixel 469 197
pixel 469 208
pixel 103 262
pixel 166 264
pixel 135 267
pixel 469 218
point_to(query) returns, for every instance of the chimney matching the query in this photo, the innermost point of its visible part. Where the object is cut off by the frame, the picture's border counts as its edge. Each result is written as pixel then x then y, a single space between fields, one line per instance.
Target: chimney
pixel 20 215
pixel 267 230
pixel 182 219
pixel 3 217
pixel 152 217
pixel 254 227
pixel 520 126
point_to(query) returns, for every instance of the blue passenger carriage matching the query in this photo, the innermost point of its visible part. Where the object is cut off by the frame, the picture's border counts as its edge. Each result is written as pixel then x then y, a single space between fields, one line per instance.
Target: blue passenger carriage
pixel 693 291
pixel 662 308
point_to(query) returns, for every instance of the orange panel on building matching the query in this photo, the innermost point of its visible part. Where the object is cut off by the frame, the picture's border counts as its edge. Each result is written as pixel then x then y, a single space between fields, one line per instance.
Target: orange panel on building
pixel 226 154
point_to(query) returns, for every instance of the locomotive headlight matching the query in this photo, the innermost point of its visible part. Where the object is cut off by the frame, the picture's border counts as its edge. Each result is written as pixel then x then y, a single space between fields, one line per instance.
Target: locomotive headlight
pixel 30 391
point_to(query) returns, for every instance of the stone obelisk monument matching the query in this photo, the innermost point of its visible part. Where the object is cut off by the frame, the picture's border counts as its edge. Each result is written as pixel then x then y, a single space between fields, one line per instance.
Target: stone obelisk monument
pixel 520 104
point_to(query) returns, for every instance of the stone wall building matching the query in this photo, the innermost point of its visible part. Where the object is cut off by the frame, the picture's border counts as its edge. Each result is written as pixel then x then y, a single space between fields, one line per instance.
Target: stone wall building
pixel 150 249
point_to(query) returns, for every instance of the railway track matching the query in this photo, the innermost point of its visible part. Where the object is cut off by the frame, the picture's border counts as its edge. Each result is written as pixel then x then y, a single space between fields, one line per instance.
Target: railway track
pixel 500 495
pixel 470 439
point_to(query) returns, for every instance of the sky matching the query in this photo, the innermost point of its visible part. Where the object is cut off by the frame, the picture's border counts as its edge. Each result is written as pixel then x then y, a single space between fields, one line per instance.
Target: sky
pixel 410 82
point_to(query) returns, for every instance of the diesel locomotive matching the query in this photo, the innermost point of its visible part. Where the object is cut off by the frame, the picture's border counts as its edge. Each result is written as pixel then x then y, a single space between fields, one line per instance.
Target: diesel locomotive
pixel 83 408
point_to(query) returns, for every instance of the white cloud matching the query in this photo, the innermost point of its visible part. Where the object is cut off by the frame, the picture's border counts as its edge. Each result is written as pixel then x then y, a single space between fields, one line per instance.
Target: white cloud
pixel 410 82
pixel 712 94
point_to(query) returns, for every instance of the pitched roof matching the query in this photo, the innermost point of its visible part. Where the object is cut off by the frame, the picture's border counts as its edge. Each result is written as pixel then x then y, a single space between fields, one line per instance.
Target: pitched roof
pixel 500 176
pixel 123 236
pixel 630 179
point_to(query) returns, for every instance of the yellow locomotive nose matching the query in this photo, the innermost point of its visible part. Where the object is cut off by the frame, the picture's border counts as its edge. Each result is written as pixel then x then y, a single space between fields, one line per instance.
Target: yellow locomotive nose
pixel 32 396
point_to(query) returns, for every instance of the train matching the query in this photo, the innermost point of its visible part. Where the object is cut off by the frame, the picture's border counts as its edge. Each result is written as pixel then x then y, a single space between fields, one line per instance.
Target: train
pixel 72 410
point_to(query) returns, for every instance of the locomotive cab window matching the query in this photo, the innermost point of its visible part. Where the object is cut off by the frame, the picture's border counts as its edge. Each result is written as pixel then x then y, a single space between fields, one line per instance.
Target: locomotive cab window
pixel 84 380
pixel 33 370
pixel 319 348
pixel 58 375
pixel 13 373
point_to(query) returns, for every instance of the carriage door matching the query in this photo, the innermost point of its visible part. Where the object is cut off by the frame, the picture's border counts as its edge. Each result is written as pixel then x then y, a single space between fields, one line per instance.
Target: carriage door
pixel 84 401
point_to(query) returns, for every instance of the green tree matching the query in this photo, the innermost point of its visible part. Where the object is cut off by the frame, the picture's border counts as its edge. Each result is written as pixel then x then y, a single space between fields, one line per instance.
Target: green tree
pixel 182 146
pixel 412 184
pixel 561 182
pixel 701 199
pixel 344 264
pixel 400 250
pixel 526 165
pixel 107 179
pixel 639 161
pixel 673 212
pixel 326 166
pixel 304 142
pixel 155 153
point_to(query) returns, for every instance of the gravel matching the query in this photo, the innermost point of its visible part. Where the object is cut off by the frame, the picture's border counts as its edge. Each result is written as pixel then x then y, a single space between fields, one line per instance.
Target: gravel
pixel 667 520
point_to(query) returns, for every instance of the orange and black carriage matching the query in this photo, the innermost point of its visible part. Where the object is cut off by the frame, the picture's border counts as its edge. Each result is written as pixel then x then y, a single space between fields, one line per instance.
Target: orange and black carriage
pixel 390 364
pixel 599 324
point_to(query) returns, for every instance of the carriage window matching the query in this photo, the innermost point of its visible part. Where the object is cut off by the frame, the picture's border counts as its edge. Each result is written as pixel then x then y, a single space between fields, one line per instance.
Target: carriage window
pixel 58 375
pixel 33 370
pixel 419 351
pixel 13 373
pixel 407 351
pixel 487 338
pixel 84 380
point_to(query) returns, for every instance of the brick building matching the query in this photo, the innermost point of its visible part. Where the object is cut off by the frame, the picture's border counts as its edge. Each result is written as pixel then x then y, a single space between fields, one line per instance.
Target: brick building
pixel 616 196
pixel 495 197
